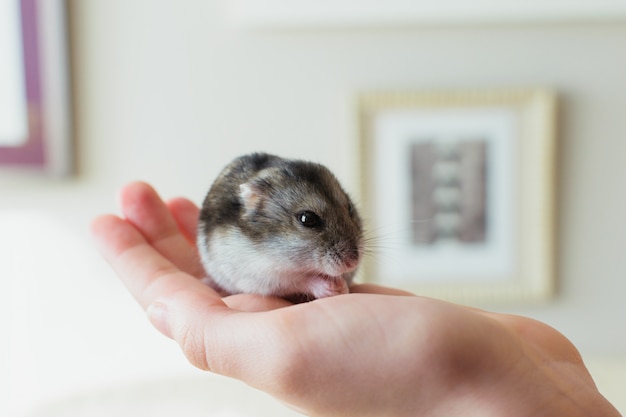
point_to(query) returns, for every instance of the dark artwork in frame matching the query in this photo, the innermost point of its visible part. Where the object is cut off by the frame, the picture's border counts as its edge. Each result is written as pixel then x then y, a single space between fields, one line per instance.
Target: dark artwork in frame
pixel 448 191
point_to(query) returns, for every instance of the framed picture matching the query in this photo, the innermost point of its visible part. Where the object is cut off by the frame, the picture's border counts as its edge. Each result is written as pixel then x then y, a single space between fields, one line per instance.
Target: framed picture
pixel 458 192
pixel 35 127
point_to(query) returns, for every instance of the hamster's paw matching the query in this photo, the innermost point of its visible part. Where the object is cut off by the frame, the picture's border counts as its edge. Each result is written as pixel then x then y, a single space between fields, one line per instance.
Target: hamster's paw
pixel 327 286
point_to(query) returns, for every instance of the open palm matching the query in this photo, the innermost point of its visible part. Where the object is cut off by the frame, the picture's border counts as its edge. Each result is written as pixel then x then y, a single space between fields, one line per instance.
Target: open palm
pixel 376 351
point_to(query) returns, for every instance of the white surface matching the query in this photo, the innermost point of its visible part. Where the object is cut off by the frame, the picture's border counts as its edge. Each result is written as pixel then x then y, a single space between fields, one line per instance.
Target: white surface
pixel 372 12
pixel 188 397
pixel 13 111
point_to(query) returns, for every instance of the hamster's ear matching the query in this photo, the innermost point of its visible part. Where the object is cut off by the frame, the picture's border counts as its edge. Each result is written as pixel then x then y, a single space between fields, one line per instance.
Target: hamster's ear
pixel 250 196
pixel 257 189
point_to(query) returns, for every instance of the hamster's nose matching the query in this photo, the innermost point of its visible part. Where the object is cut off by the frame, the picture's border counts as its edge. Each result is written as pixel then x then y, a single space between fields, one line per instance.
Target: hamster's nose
pixel 351 257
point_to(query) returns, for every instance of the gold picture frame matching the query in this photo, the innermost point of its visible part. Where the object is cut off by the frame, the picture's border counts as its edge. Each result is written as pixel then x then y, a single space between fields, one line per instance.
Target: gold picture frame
pixel 458 192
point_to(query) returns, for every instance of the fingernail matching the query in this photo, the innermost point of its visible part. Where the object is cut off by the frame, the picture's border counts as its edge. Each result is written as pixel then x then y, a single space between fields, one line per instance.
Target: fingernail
pixel 158 315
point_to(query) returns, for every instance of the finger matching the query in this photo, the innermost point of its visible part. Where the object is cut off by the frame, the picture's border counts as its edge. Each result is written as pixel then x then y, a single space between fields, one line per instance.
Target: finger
pixel 377 289
pixel 220 339
pixel 213 336
pixel 178 304
pixel 254 303
pixel 185 214
pixel 146 273
pixel 145 210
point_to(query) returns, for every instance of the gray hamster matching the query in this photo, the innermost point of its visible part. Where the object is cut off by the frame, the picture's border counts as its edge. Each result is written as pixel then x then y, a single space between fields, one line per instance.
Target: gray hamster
pixel 279 227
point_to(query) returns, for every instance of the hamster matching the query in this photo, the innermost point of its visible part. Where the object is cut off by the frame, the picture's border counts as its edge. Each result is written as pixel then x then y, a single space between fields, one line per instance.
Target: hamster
pixel 279 227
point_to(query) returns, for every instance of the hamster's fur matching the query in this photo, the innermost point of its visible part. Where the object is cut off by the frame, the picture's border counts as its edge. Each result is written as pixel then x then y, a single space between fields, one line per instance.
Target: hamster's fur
pixel 279 227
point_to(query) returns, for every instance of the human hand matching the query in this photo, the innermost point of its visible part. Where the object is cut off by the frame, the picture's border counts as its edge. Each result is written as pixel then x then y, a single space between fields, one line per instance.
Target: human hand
pixel 376 351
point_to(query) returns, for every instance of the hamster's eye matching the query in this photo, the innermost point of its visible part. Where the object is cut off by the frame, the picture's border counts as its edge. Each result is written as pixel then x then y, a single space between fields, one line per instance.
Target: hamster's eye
pixel 309 219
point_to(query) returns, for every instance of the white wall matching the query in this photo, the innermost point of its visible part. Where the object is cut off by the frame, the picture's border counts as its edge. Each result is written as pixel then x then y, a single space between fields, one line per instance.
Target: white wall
pixel 169 92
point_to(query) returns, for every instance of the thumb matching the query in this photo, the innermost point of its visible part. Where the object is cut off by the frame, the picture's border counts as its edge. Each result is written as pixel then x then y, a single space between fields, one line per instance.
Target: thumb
pixel 216 338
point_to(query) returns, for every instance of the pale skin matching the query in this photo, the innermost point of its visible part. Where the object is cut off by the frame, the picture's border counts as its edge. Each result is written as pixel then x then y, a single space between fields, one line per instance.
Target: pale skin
pixel 374 352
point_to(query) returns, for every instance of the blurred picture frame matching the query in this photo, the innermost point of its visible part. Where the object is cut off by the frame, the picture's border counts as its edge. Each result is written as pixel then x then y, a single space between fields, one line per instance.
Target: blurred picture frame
pixel 458 192
pixel 35 108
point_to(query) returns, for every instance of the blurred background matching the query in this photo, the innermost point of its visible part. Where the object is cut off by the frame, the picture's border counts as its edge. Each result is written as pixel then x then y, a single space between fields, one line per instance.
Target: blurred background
pixel 170 91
